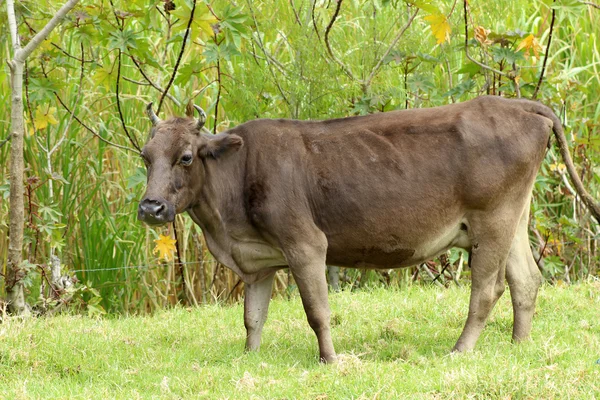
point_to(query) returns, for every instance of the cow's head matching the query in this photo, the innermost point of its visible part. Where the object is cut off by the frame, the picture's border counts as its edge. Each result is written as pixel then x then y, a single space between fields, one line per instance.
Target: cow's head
pixel 175 157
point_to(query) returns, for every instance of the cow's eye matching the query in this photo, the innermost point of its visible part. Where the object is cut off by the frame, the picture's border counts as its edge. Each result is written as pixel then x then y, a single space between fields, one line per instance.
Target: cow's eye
pixel 186 159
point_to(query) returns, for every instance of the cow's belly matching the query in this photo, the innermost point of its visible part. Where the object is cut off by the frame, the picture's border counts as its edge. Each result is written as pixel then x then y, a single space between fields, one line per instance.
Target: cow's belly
pixel 396 250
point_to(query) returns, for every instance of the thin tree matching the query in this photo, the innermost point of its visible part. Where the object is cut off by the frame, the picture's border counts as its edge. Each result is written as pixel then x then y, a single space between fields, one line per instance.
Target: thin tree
pixel 14 274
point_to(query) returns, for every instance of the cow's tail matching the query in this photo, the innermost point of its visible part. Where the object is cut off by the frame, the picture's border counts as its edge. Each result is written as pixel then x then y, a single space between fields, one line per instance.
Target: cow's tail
pixel 563 147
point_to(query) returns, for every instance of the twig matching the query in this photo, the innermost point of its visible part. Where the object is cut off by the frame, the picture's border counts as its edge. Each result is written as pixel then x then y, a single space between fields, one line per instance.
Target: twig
pixel 179 57
pixel 295 12
pixel 233 288
pixel 425 267
pixel 537 88
pixel 183 297
pixel 380 62
pixel 62 103
pixel 333 57
pixel 452 9
pixel 541 255
pixel 467 47
pixel 219 86
pixel 27 99
pixel 450 79
pixel 93 132
pixel 2 143
pixel 72 113
pixel 56 46
pixel 150 82
pixel 131 139
pixel 23 53
pixel 270 60
pixel 312 14
pixel 589 3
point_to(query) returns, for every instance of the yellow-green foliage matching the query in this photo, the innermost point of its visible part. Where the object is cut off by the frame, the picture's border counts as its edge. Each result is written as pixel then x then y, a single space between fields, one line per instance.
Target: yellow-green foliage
pixel 269 59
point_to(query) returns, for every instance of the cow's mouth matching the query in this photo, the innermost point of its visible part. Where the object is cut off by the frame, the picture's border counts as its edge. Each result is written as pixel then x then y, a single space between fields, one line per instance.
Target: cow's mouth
pixel 156 212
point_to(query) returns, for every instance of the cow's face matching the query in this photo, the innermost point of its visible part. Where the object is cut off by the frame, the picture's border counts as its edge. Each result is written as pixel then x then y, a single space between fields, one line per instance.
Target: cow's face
pixel 175 159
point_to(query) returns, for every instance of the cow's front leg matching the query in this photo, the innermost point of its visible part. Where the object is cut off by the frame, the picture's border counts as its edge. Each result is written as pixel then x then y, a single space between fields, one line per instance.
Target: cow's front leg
pixel 256 305
pixel 307 263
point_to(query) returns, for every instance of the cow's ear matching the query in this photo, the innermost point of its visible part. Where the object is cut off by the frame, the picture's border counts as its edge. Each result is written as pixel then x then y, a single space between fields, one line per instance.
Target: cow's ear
pixel 218 145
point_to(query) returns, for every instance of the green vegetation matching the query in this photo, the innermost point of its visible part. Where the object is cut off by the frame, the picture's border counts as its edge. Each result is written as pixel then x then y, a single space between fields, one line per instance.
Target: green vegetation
pixel 276 59
pixel 393 344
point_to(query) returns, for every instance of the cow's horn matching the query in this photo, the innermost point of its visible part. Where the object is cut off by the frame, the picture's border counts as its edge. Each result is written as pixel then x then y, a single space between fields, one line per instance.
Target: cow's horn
pixel 153 118
pixel 202 117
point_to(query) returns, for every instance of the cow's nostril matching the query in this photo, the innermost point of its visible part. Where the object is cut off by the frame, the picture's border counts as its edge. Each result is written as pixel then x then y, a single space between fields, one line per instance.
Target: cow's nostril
pixel 155 211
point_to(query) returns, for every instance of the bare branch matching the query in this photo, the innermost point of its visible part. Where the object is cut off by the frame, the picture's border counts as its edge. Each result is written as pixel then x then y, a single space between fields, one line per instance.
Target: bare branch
pixel 398 36
pixel 43 34
pixel 150 82
pixel 3 142
pixel 131 138
pixel 57 46
pixel 494 70
pixel 72 113
pixel 589 3
pixel 333 56
pixel 219 87
pixel 295 13
pixel 93 132
pixel 270 60
pixel 185 37
pixel 537 88
pixel 312 15
pixel 12 24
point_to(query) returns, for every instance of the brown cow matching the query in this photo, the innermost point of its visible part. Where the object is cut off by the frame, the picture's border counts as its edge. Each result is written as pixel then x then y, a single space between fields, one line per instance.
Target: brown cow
pixel 387 190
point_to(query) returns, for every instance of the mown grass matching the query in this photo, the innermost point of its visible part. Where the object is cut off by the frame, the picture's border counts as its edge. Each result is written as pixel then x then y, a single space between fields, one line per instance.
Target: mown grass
pixel 392 344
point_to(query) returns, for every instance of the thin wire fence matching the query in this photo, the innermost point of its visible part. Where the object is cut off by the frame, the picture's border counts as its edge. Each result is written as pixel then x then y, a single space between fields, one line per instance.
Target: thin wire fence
pixel 145 267
pixel 166 265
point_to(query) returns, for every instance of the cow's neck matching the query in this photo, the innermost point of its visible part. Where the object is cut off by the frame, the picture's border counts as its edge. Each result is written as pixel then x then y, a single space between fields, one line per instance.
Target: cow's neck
pixel 217 193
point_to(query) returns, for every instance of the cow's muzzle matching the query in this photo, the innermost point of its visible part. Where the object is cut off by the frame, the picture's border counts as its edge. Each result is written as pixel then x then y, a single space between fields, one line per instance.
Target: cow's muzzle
pixel 156 211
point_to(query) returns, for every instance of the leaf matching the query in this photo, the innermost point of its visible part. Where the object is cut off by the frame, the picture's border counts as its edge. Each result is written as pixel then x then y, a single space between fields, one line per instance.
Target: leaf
pixel 165 246
pixel 123 40
pixel 396 56
pixel 202 26
pixel 428 58
pixel 469 68
pixel 439 27
pixel 504 53
pixel 425 6
pixel 42 90
pixel 530 43
pixel 420 82
pixel 460 89
pixel 137 178
pixel 104 76
pixel 44 117
pixel 481 35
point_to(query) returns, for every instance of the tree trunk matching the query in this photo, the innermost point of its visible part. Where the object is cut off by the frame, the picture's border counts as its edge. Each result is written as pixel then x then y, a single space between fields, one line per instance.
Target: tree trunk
pixel 14 288
pixel 15 294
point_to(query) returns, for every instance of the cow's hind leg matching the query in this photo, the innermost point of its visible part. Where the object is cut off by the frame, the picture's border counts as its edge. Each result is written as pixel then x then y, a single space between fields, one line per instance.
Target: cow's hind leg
pixel 488 257
pixel 307 264
pixel 524 280
pixel 256 305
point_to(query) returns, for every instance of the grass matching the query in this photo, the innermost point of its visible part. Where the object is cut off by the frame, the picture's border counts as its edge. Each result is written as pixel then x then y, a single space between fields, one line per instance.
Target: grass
pixel 392 344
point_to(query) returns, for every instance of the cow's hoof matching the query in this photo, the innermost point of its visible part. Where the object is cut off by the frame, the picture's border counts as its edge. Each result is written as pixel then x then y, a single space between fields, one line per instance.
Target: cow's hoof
pixel 461 348
pixel 328 359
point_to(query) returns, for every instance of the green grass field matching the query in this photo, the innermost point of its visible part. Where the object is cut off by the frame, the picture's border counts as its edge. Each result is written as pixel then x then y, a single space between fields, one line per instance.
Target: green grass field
pixel 392 344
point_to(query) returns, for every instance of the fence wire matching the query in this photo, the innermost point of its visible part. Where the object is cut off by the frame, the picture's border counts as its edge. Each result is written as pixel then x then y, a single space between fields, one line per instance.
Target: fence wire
pixel 142 267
